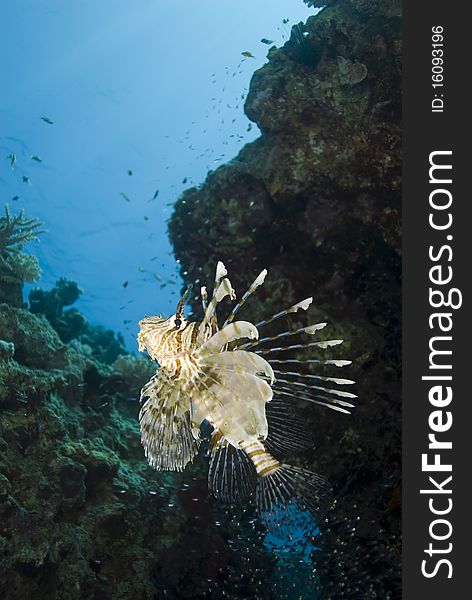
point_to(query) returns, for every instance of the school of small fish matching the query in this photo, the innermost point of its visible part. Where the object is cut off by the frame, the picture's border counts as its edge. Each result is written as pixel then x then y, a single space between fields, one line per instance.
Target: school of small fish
pixel 245 388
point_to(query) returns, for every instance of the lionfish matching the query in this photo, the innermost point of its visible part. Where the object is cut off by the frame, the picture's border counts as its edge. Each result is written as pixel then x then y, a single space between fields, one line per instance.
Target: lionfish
pixel 244 387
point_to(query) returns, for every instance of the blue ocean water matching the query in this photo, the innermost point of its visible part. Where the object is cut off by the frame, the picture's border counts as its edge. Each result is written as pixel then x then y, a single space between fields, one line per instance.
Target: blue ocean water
pixel 145 97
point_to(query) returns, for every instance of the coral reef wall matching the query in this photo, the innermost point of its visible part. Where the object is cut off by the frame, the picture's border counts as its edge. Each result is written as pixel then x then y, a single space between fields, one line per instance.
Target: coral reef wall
pixel 316 199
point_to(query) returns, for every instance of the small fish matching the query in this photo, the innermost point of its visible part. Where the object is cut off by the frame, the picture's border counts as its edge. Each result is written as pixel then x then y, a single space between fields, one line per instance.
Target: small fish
pixel 26 180
pixel 248 54
pixel 125 197
pixel 125 284
pixel 266 41
pixel 285 21
pixel 249 127
pixel 245 387
pixel 47 120
pixel 157 276
pixel 156 194
pixel 12 159
pixel 146 218
pixel 130 172
pixel 141 269
pixel 37 158
pixel 15 198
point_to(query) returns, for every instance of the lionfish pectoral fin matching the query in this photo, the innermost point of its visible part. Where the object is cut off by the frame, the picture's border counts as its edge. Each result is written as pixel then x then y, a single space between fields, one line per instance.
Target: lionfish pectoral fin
pixel 287 494
pixel 169 438
pixel 239 361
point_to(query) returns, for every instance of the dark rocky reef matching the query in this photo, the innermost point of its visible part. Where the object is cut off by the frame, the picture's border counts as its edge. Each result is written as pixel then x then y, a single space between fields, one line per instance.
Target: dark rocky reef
pixel 316 200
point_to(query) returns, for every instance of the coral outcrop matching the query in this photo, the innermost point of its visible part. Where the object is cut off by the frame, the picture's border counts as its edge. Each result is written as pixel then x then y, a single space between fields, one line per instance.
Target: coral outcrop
pixel 316 199
pixel 70 324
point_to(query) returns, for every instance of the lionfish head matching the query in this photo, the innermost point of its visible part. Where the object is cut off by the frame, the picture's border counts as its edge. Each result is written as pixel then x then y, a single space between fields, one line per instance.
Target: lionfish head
pixel 157 335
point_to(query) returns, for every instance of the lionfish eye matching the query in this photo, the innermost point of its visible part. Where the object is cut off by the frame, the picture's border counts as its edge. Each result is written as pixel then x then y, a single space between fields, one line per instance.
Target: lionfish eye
pixel 178 322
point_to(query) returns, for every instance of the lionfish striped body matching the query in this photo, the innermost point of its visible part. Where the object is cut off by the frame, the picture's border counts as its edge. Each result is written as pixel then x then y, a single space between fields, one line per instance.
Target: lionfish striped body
pixel 245 391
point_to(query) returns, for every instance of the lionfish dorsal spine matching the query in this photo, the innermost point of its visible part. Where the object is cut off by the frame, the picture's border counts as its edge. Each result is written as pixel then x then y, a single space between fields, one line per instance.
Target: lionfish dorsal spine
pixel 204 296
pixel 223 290
pixel 311 330
pixel 259 280
pixel 303 305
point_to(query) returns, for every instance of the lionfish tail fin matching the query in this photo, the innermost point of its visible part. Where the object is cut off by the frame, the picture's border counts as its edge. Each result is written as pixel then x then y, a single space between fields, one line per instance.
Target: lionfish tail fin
pixel 289 494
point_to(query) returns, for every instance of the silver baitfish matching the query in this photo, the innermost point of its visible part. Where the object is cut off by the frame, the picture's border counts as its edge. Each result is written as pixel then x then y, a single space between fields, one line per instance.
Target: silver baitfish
pixel 245 387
